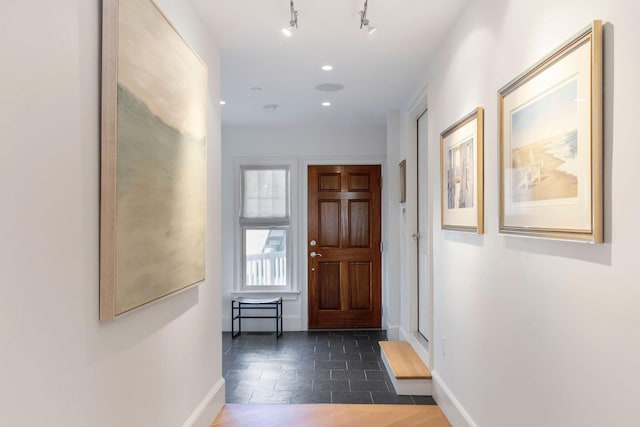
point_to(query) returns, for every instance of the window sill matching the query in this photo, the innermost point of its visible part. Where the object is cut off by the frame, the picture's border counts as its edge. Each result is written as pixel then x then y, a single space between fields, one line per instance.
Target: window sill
pixel 286 295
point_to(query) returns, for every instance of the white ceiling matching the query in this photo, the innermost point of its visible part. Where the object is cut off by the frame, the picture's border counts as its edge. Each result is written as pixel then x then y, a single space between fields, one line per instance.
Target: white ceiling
pixel 379 71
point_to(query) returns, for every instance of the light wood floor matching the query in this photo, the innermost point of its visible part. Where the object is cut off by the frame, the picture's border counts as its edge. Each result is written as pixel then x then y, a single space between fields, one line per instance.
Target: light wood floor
pixel 331 416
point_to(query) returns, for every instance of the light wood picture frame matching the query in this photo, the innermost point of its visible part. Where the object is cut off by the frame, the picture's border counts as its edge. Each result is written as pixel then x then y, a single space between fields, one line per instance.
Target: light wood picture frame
pixel 462 174
pixel 403 181
pixel 153 159
pixel 551 137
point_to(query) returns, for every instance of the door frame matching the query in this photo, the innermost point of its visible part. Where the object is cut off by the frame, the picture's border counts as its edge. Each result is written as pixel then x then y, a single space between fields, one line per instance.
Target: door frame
pixel 303 208
pixel 418 108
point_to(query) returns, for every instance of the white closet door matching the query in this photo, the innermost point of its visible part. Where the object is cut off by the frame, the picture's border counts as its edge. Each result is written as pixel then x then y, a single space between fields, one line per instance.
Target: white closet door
pixel 424 229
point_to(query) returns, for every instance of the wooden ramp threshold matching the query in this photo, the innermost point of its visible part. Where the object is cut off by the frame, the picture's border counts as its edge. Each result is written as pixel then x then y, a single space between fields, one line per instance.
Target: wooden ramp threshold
pixel 325 415
pixel 408 372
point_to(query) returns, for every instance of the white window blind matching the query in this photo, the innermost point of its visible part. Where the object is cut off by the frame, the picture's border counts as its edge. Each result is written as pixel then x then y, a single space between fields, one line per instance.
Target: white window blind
pixel 265 195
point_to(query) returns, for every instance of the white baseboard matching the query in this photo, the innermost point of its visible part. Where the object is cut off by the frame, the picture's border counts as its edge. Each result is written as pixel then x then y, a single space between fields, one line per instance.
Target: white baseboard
pixel 451 407
pixel 403 335
pixel 289 323
pixel 208 409
pixel 393 333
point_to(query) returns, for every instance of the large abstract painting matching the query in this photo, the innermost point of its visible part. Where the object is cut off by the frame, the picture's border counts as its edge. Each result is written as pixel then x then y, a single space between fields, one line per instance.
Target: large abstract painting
pixel 153 197
pixel 551 144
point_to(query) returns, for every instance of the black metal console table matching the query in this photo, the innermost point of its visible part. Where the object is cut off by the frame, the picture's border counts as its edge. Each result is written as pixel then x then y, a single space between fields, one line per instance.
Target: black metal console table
pixel 237 304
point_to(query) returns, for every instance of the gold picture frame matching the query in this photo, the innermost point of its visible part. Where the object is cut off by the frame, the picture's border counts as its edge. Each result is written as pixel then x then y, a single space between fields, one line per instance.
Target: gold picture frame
pixel 153 159
pixel 462 174
pixel 550 157
pixel 403 181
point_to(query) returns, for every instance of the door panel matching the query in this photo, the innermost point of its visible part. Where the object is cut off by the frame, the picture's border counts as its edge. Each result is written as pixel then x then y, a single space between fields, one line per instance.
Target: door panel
pixel 329 182
pixel 359 224
pixel 329 223
pixel 345 222
pixel 359 182
pixel 360 295
pixel 328 274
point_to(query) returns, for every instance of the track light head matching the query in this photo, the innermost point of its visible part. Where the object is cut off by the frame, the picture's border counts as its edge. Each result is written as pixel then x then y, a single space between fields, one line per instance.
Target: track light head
pixel 293 20
pixel 363 17
pixel 364 21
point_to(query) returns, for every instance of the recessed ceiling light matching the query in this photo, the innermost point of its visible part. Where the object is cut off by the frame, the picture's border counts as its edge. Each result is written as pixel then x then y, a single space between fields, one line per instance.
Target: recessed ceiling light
pixel 327 67
pixel 287 32
pixel 326 104
pixel 223 103
pixel 329 87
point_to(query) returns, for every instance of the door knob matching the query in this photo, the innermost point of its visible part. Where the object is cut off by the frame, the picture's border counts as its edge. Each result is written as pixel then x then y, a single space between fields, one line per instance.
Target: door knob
pixel 314 254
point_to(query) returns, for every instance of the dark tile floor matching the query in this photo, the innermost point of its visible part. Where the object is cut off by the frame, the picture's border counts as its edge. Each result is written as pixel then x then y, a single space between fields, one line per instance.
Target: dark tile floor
pixel 309 367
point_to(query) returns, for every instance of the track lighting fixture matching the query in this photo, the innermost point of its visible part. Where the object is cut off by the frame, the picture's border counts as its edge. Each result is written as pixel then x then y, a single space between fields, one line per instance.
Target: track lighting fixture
pixel 364 21
pixel 293 22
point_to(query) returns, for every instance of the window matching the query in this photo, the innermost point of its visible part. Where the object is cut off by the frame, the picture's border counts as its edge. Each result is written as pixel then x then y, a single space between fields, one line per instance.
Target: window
pixel 265 228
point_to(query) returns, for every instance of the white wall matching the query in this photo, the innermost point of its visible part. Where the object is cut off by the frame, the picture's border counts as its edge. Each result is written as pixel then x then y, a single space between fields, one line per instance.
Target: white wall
pixel 391 294
pixel 58 365
pixel 538 332
pixel 301 144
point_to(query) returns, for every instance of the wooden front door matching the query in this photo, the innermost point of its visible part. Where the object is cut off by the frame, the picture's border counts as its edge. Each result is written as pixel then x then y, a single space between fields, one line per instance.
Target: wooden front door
pixel 344 247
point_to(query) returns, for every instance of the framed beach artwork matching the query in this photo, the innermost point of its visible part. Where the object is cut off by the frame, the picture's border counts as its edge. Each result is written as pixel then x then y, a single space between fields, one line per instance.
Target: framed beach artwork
pixel 462 174
pixel 153 159
pixel 551 144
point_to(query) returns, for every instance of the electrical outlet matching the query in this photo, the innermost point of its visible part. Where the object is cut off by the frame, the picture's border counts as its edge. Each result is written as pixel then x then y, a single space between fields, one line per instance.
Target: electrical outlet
pixel 444 346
